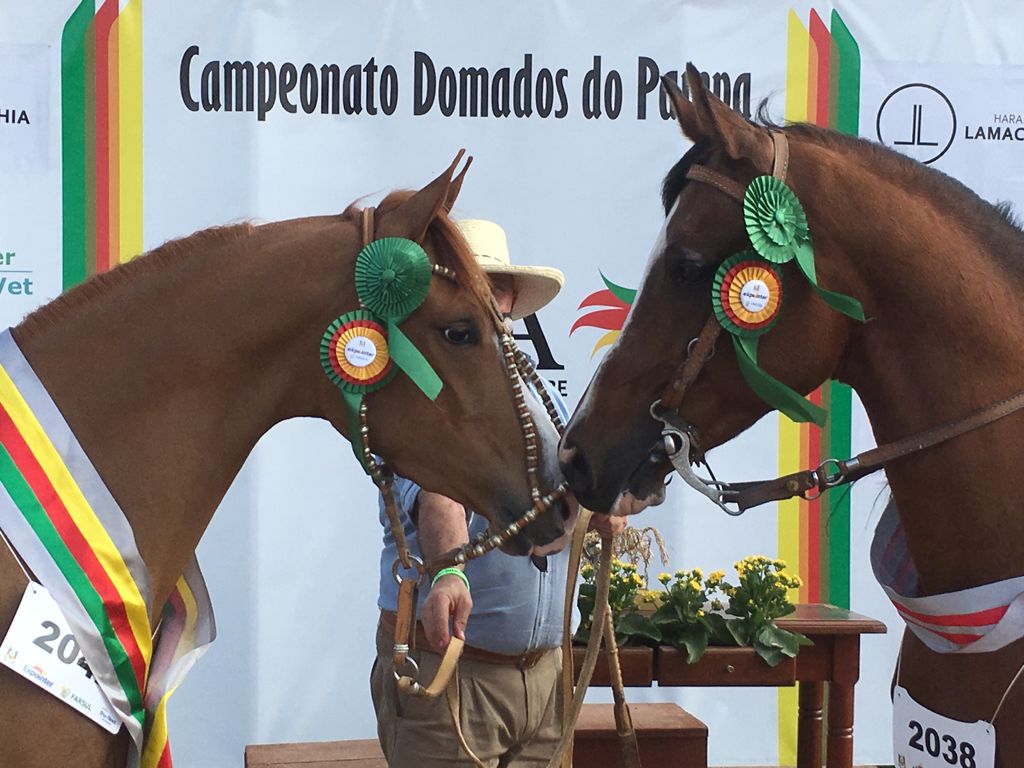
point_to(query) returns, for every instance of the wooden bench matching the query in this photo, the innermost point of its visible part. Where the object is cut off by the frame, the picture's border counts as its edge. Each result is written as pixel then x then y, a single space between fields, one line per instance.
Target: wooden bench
pixel 362 753
pixel 668 737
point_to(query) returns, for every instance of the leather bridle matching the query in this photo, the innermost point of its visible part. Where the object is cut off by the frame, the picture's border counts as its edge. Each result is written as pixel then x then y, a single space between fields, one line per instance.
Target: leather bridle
pixel 407 569
pixel 680 439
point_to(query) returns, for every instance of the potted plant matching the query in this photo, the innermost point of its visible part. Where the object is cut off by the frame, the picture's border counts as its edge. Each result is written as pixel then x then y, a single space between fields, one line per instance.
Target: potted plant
pixel 705 629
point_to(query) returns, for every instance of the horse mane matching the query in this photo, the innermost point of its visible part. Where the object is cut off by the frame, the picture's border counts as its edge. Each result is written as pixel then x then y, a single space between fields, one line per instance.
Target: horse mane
pixel 994 225
pixel 153 261
pixel 446 244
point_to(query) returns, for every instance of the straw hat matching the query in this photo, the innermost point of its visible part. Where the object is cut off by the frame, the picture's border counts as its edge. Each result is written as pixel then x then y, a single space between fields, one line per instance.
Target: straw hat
pixel 535 286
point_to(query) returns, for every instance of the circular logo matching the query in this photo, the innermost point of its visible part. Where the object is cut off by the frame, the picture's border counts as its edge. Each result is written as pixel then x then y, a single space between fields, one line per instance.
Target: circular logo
pixel 746 294
pixel 354 353
pixel 917 120
pixel 360 351
pixel 754 295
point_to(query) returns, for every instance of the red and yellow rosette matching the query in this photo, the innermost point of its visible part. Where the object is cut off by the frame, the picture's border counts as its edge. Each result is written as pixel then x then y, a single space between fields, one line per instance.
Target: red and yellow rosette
pixel 354 353
pixel 747 294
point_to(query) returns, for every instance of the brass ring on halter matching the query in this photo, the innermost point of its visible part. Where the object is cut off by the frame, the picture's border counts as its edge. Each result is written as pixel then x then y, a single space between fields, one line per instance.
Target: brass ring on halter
pixel 419 568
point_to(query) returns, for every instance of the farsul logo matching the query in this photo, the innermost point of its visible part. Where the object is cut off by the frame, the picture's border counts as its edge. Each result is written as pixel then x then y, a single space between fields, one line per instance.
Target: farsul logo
pixel 607 311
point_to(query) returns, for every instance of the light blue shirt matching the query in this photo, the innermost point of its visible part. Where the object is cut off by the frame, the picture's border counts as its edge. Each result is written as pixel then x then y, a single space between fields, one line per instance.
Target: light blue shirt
pixel 516 606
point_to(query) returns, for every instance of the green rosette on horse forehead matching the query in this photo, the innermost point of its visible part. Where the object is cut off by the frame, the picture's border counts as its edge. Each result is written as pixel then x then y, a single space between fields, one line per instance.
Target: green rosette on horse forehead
pixel 777 227
pixel 392 280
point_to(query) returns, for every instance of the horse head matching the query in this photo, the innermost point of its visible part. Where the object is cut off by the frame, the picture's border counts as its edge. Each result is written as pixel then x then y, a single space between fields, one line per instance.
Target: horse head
pixel 612 445
pixel 472 440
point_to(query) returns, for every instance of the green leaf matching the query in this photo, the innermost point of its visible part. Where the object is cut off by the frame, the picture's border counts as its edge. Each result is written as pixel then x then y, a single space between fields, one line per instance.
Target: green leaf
pixel 636 625
pixel 739 632
pixel 772 656
pixel 695 641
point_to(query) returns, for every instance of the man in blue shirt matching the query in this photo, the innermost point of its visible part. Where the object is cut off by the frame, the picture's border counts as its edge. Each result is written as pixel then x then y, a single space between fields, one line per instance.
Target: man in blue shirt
pixel 509 610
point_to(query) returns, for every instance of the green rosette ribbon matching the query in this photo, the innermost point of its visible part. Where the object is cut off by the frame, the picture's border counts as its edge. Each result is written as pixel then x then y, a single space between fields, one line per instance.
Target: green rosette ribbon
pixel 777 226
pixel 348 336
pixel 392 280
pixel 746 295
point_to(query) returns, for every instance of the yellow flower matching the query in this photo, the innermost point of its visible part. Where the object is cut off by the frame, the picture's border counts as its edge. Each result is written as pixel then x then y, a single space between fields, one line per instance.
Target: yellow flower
pixel 716 577
pixel 780 564
pixel 616 564
pixel 796 581
pixel 638 579
pixel 700 613
pixel 694 585
pixel 698 573
pixel 664 578
pixel 629 567
pixel 587 570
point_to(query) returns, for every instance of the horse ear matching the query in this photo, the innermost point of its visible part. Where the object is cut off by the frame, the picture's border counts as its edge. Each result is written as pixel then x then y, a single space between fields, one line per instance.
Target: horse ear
pixel 683 109
pixel 740 137
pixel 456 186
pixel 411 218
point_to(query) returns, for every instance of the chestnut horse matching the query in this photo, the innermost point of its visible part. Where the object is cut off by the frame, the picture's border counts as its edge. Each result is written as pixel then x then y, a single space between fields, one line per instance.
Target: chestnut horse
pixel 169 369
pixel 940 275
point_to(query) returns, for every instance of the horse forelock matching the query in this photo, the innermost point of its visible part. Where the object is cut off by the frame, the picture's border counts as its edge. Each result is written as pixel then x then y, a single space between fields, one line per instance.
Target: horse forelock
pixel 444 243
pixel 675 179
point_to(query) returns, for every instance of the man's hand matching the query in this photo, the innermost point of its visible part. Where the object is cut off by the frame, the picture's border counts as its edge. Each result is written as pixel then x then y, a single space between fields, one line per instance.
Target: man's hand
pixel 607 525
pixel 448 599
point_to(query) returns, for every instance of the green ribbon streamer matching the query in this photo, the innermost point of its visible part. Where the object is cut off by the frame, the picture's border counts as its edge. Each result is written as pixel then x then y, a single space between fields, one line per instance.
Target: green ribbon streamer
pixel 412 361
pixel 771 390
pixel 840 302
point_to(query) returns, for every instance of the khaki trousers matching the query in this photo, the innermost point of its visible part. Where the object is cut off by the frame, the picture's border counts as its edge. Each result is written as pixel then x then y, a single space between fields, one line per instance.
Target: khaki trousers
pixel 509 716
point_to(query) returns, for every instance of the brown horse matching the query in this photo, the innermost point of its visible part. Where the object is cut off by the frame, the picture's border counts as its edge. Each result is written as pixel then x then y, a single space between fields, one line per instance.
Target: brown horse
pixel 170 368
pixel 939 273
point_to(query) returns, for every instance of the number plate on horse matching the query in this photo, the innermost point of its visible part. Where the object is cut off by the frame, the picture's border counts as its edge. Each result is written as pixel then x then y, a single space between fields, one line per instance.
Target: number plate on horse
pixel 40 647
pixel 925 739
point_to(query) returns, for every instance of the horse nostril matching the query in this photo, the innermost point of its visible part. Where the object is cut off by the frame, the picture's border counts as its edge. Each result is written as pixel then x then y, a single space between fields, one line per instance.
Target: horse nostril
pixel 566 454
pixel 575 468
pixel 564 510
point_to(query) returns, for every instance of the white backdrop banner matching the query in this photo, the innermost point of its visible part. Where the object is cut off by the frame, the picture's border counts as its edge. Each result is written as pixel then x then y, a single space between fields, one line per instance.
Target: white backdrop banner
pixel 125 124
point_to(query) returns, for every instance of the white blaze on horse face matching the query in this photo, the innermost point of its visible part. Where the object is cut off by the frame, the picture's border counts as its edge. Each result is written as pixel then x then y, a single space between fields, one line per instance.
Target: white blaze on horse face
pixel 660 244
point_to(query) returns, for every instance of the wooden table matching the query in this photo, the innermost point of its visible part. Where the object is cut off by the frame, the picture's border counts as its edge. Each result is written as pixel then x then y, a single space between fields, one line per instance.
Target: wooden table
pixel 834 659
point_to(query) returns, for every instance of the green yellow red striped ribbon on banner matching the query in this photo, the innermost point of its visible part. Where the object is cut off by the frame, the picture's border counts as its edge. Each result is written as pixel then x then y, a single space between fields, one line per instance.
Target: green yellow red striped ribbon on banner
pixel 69 530
pixel 101 136
pixel 823 88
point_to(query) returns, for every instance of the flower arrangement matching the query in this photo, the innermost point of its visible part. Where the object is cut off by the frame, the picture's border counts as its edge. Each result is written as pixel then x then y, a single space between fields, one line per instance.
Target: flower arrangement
pixel 691 611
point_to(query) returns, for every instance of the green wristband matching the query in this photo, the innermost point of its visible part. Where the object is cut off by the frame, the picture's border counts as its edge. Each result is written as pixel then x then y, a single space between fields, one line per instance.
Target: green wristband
pixel 450 572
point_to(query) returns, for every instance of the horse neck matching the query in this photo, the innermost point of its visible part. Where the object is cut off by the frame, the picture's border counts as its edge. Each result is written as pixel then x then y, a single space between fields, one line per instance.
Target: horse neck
pixel 941 341
pixel 170 376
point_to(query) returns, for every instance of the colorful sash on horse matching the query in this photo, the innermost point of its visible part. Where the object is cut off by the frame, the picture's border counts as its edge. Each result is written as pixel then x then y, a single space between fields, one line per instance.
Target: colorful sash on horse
pixel 975 620
pixel 64 523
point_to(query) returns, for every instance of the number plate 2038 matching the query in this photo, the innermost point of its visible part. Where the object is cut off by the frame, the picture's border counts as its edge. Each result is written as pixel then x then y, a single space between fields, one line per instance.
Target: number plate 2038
pixel 39 646
pixel 925 739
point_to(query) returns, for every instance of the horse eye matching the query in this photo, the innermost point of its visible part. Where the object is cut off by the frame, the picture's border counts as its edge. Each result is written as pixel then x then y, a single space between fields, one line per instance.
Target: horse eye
pixel 689 272
pixel 459 335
